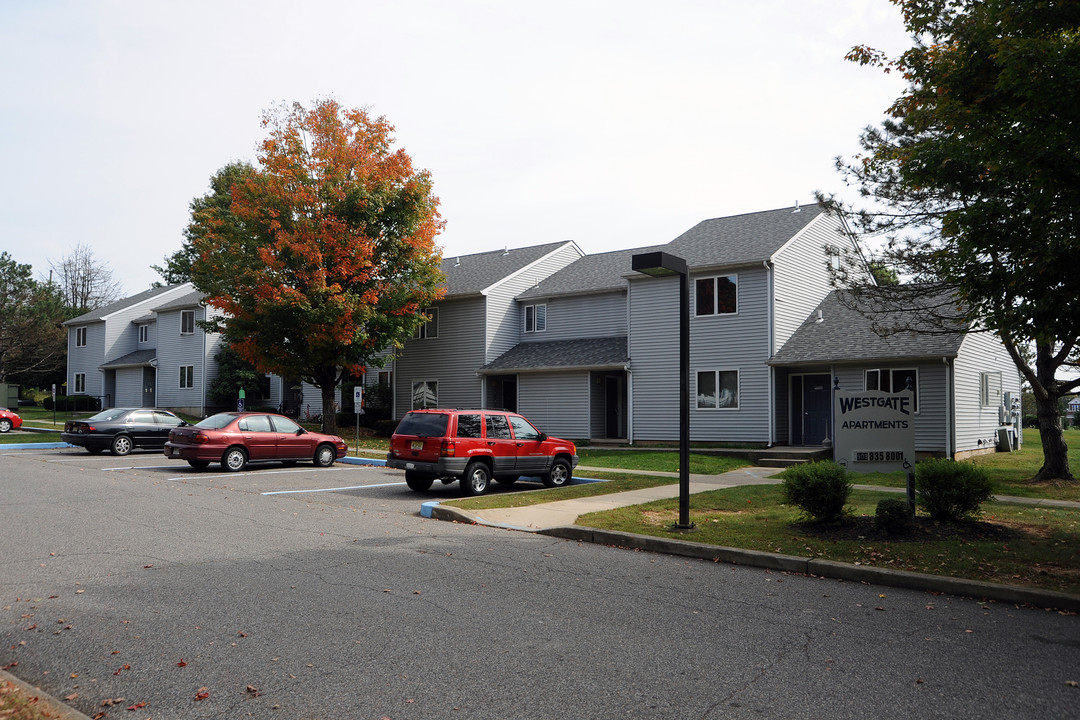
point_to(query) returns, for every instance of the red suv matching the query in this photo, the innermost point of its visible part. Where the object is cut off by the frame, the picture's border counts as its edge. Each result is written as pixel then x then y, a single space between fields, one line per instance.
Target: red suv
pixel 476 446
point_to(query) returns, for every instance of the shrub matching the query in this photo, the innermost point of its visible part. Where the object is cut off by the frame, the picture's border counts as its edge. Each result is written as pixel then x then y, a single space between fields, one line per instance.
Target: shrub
pixel 385 428
pixel 950 490
pixel 820 489
pixel 893 516
pixel 65 403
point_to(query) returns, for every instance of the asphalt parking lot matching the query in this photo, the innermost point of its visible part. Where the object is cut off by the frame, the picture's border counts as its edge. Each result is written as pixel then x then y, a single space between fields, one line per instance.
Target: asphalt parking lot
pixel 304 593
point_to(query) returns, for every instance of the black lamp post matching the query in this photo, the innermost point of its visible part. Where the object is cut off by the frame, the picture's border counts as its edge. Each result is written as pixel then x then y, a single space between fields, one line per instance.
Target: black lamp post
pixel 659 264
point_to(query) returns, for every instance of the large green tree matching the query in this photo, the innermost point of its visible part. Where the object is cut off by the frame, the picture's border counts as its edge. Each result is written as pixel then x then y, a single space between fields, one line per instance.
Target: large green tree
pixel 217 204
pixel 33 344
pixel 326 254
pixel 974 177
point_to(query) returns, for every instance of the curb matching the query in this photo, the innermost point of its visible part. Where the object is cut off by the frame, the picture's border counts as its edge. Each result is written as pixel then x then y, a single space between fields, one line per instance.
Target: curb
pixel 54 706
pixel 813 567
pixel 822 568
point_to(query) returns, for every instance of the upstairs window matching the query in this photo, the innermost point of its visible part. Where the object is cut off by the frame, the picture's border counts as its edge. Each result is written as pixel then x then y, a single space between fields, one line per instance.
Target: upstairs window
pixel 716 295
pixel 80 337
pixel 535 318
pixel 430 329
pixel 187 322
pixel 144 333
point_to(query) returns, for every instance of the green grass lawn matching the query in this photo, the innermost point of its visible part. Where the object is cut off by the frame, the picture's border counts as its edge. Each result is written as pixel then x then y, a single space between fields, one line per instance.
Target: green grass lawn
pixel 1034 546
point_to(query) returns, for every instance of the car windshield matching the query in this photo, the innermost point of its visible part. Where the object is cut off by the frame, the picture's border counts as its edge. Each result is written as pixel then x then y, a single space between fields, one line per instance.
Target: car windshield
pixel 423 424
pixel 216 422
pixel 111 414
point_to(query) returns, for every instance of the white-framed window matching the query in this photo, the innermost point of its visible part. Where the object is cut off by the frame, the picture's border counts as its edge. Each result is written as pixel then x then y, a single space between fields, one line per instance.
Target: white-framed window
pixel 717 390
pixel 144 333
pixel 716 295
pixel 187 377
pixel 425 394
pixel 990 389
pixel 430 329
pixel 893 380
pixel 80 337
pixel 535 318
pixel 187 322
pixel 80 382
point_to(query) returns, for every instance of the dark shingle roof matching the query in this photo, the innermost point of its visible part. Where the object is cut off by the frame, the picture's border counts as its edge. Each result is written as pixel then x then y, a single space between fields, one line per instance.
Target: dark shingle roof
pixel 846 335
pixel 139 357
pixel 191 299
pixel 471 274
pixel 741 239
pixel 602 272
pixel 109 309
pixel 587 353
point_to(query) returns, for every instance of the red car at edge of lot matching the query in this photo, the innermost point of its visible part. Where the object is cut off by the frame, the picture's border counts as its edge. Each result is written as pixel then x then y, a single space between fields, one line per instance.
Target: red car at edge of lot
pixel 9 420
pixel 236 439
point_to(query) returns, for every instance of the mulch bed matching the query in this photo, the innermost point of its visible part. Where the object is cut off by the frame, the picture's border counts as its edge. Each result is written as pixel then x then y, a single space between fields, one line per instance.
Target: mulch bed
pixel 923 529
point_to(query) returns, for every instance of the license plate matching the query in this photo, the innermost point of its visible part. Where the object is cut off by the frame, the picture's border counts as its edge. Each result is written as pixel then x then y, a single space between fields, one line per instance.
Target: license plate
pixel 176 452
pixel 410 466
pixel 417 445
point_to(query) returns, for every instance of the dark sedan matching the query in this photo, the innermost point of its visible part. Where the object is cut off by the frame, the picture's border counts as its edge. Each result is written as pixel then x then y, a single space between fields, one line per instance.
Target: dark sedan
pixel 121 430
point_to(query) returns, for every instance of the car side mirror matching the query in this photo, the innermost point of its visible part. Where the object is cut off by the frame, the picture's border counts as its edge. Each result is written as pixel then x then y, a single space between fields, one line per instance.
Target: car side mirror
pixel 300 431
pixel 543 436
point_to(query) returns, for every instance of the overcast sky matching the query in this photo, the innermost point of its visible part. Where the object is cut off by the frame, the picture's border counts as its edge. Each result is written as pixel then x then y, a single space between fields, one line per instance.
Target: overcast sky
pixel 613 124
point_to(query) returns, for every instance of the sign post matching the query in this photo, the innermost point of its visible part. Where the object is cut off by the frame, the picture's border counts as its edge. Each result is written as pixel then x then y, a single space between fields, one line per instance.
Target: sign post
pixel 875 432
pixel 358 405
pixel 240 400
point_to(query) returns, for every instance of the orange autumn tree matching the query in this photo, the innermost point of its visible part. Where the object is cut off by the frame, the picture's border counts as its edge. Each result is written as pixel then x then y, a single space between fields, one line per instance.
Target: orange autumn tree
pixel 326 253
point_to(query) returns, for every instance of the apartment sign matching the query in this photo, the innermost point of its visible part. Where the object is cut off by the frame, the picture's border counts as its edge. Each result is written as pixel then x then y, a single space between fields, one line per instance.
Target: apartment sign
pixel 875 430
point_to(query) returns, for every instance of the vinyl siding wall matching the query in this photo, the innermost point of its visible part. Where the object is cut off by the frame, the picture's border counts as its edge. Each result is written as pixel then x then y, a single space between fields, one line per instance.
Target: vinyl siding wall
pixel 979 353
pixel 802 273
pixel 503 320
pixel 175 350
pixel 719 342
pixel 578 316
pixel 87 359
pixel 733 342
pixel 451 359
pixel 129 387
pixel 654 359
pixel 557 403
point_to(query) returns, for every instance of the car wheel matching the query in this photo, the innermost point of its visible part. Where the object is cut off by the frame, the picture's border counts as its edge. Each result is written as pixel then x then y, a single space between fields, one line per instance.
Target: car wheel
pixel 5 425
pixel 199 464
pixel 559 474
pixel 418 481
pixel 476 479
pixel 234 459
pixel 325 455
pixel 121 445
pixel 506 480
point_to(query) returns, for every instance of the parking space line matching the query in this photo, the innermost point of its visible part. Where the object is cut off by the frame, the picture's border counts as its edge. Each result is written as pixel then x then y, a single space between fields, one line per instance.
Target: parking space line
pixel 352 487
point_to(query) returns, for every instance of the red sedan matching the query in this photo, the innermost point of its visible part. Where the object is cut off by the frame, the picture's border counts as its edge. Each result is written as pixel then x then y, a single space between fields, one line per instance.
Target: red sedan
pixel 236 439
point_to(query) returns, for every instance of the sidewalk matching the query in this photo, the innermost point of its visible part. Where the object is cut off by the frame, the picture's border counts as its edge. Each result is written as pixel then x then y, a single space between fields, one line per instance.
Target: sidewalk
pixel 557 520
